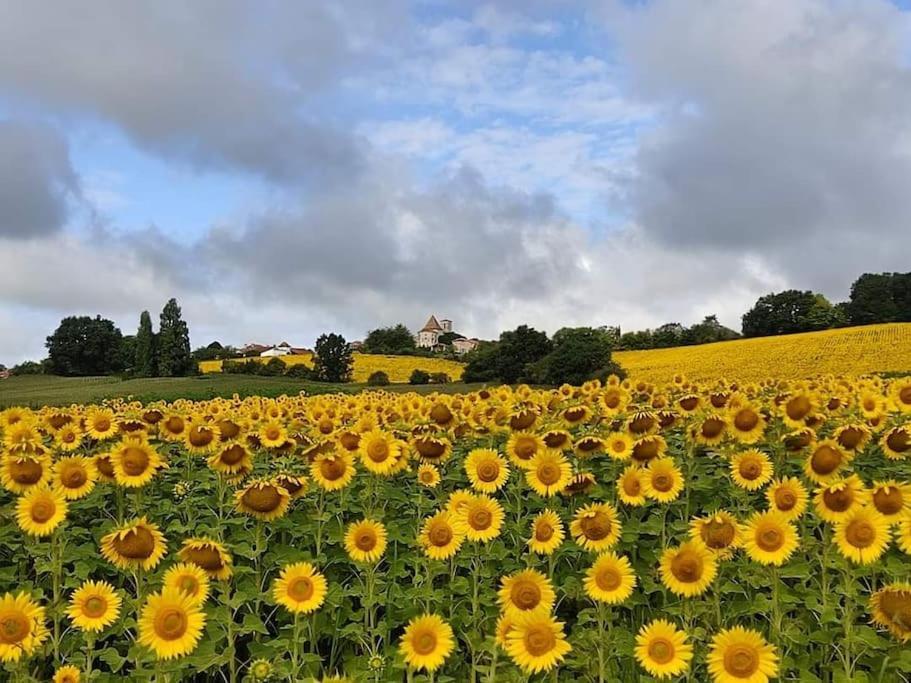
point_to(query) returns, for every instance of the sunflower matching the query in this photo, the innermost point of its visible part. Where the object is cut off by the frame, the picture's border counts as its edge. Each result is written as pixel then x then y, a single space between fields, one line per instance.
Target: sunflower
pixel 40 511
pixel 642 422
pixel 100 424
pixel 426 642
pixel 231 458
pixel 579 483
pixel 170 624
pixel 546 533
pixel 596 526
pixel 104 467
pixel 483 518
pixel 589 446
pixel 610 579
pixel 22 438
pixel 503 628
pixel 718 532
pixel 769 538
pixel 797 408
pixel 68 438
pixel 557 440
pixel 662 481
pixel 891 609
pixel 619 446
pixel 525 592
pixel 872 405
pixel 21 625
pixel 332 471
pixel 648 448
pixel 839 498
pixel 365 541
pixel 896 443
pixel 94 605
pixel 536 642
pixel 189 579
pixel 688 570
pixel 825 461
pixel 903 535
pixel 272 434
pixel 379 451
pixel 662 649
pixel 548 472
pixel 576 415
pixel 300 588
pixel 138 544
pixel 20 472
pixel 209 555
pixel 787 496
pixel 711 431
pixel 746 423
pixel 296 486
pixel 67 674
pixel 432 449
pixel 486 469
pixel 265 500
pixel 74 476
pixel 751 469
pixel 853 437
pixel 135 463
pixel 442 535
pixel 631 486
pixel 522 447
pixel 201 438
pixel 613 400
pixel 891 499
pixel 428 475
pixel 458 501
pixel 172 426
pixel 739 655
pixel 862 535
pixel 799 440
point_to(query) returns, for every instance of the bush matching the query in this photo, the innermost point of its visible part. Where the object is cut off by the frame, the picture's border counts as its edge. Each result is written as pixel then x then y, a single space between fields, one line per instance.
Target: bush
pixel 439 378
pixel 300 371
pixel 235 367
pixel 378 379
pixel 419 377
pixel 332 359
pixel 275 367
pixel 29 367
pixel 579 353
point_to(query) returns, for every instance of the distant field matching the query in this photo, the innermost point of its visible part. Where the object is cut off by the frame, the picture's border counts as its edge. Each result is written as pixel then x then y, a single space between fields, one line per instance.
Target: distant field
pixel 36 391
pixel 849 351
pixel 399 368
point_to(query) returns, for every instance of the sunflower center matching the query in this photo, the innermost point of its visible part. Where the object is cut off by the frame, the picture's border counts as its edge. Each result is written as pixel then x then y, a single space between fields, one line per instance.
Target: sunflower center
pixel 325 427
pixel 14 627
pixel 441 535
pixel 378 451
pixel 825 460
pixel 770 538
pixel 101 425
pixel 838 500
pixel 103 464
pixel 74 477
pixel 712 427
pixel 350 441
pixel 488 471
pixel 525 595
pixel 632 486
pixel 549 473
pixel 430 448
pixel 332 469
pixel 523 420
pixel 589 444
pixel 543 531
pixel 136 544
pixel 785 499
pixel 860 533
pixel 851 437
pixel 689 402
pixel 525 448
pixel 262 498
pixel 641 424
pixel 608 579
pixel 205 557
pixel 798 408
pixel 228 429
pixel 574 414
pixel 896 605
pixel 687 566
pixel 663 482
pixel 539 640
pixel 174 424
pixel 611 400
pixel 26 471
pixel 300 588
pixel 745 420
pixel 424 642
pixel 596 527
pixel 43 510
pixel 898 440
pixel 440 414
pixel 750 469
pixel 134 460
pixel 555 439
pixel 795 442
pixel 480 519
pixel 661 650
pixel 646 450
pixel 95 607
pixel 905 395
pixel 233 454
pixel 888 500
pixel 273 433
pixel 717 535
pixel 365 540
pixel 200 438
pixel 188 584
pixel 170 623
pixel 741 661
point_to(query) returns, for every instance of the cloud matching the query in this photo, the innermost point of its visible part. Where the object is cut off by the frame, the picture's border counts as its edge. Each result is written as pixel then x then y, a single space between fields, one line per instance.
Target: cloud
pixel 37 180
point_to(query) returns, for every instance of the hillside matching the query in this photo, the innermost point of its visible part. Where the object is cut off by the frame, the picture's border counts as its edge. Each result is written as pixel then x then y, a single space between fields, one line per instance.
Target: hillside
pixel 851 350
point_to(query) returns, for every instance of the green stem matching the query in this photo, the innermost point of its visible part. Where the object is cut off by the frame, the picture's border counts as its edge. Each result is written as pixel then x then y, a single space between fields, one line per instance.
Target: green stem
pixel 602 670
pixel 57 577
pixel 296 647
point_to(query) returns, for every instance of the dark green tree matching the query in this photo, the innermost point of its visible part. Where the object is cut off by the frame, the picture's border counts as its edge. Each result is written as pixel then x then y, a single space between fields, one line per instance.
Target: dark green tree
pixel 145 361
pixel 782 313
pixel 393 340
pixel 517 349
pixel 173 352
pixel 579 354
pixel 880 298
pixel 332 359
pixel 481 363
pixel 83 346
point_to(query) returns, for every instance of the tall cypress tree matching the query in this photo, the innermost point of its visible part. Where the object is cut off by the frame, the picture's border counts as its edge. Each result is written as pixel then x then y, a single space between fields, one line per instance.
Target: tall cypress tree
pixel 174 359
pixel 145 362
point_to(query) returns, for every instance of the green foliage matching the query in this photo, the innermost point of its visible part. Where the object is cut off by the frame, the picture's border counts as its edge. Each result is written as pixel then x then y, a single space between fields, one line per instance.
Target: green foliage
pixel 274 367
pixel 448 337
pixel 419 376
pixel 174 359
pixel 439 378
pixel 29 367
pixel 579 353
pixel 332 358
pixel 85 346
pixel 507 360
pixel 394 340
pixel 378 379
pixel 783 313
pixel 481 363
pixel 881 298
pixel 145 363
pixel 301 371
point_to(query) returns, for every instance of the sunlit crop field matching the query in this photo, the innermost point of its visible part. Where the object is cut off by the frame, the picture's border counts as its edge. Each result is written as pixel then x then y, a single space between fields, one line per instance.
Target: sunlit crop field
pixel 853 350
pixel 399 368
pixel 630 532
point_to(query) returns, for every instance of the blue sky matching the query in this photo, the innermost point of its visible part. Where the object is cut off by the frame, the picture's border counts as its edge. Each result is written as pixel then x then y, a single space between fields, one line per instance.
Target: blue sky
pixel 290 169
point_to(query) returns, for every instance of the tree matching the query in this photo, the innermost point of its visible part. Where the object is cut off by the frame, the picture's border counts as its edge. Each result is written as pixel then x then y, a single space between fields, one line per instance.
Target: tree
pixel 782 313
pixel 579 354
pixel 145 361
pixel 83 346
pixel 395 340
pixel 880 298
pixel 518 349
pixel 448 337
pixel 174 359
pixel 481 363
pixel 333 359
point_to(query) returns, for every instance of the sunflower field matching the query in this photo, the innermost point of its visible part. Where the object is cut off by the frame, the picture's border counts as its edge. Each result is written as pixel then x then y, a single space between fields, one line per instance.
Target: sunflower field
pixel 688 531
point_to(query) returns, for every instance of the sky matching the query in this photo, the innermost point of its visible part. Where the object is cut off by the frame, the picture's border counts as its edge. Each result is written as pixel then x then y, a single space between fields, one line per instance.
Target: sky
pixel 286 169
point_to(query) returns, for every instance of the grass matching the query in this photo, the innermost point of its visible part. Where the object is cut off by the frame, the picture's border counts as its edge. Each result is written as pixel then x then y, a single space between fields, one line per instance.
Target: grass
pixel 40 390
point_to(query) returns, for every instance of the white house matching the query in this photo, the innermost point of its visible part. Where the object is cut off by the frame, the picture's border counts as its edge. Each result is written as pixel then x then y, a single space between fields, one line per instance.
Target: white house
pixel 429 335
pixel 464 345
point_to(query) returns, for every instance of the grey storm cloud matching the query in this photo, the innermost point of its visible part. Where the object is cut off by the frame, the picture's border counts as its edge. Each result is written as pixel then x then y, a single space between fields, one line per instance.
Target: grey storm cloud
pixel 786 129
pixel 37 180
pixel 210 83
